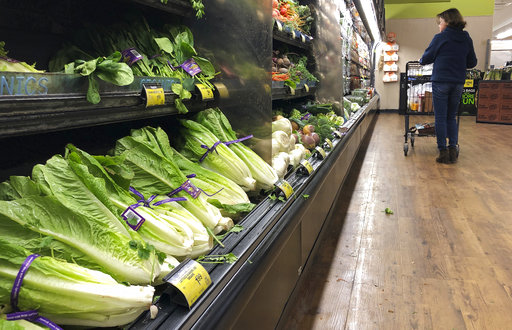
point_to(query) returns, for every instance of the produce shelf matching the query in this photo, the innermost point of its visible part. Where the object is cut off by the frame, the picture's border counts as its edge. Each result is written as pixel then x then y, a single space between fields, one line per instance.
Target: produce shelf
pixel 282 92
pixel 177 7
pixel 291 37
pixel 264 228
pixel 43 102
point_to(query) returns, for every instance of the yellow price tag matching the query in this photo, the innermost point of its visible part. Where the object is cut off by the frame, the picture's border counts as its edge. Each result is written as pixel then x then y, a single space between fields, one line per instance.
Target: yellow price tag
pixel 206 92
pixel 469 83
pixel 222 90
pixel 337 133
pixel 285 187
pixel 307 165
pixel 320 152
pixel 292 90
pixel 306 87
pixel 191 279
pixel 303 38
pixel 329 143
pixel 154 95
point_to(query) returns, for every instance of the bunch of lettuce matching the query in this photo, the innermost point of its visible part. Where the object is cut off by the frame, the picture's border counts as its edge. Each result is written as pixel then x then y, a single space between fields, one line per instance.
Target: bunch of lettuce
pixel 222 192
pixel 67 293
pixel 214 120
pixel 10 65
pixel 196 138
pixel 154 174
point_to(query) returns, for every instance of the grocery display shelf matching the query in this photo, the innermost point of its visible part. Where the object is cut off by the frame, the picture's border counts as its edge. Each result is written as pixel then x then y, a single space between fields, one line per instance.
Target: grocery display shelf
pixel 291 37
pixel 265 228
pixel 177 7
pixel 282 92
pixel 44 102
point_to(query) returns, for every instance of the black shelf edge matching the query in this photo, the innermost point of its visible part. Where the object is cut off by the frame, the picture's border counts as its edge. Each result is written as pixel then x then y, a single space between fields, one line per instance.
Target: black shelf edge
pixel 291 37
pixel 177 7
pixel 283 93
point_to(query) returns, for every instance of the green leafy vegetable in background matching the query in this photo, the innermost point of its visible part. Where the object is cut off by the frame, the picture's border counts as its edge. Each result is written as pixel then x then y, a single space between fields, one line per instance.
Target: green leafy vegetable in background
pixel 388 211
pixel 197 5
pixel 67 293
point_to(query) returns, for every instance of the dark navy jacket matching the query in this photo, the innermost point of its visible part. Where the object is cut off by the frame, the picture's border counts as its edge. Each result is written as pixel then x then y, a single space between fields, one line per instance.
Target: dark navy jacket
pixel 452 53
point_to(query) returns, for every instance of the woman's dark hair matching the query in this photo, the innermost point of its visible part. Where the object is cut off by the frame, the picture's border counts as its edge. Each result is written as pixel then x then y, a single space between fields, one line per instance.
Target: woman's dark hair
pixel 453 18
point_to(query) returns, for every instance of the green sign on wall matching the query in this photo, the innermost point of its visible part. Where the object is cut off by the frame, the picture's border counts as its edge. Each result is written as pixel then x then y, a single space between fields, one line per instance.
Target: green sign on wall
pixel 425 9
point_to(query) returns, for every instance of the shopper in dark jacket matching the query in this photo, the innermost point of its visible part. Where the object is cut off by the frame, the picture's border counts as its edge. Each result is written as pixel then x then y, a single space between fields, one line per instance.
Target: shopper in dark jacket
pixel 452 52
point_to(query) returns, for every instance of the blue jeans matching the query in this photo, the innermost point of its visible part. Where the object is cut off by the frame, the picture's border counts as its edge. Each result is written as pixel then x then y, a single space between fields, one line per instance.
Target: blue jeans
pixel 446 97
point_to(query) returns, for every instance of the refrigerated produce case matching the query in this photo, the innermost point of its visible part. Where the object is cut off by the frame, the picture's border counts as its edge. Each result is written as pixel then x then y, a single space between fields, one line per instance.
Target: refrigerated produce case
pixel 278 234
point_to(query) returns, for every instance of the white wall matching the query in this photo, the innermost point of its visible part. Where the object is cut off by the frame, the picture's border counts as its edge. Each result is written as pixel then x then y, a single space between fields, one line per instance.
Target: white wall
pixel 413 36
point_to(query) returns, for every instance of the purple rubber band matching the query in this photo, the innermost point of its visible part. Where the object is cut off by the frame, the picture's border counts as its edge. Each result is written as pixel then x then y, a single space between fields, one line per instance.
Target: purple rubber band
pixel 32 316
pixel 19 279
pixel 26 315
pixel 214 147
pixel 191 189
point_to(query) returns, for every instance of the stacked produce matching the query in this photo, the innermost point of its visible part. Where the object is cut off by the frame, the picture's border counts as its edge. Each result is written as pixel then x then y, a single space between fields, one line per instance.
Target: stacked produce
pixel 104 224
pixel 147 51
pixel 290 68
pixel 285 149
pixel 296 133
pixel 498 74
pixel 292 14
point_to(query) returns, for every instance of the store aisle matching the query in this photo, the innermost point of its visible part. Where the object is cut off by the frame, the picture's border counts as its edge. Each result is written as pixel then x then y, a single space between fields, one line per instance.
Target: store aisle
pixel 443 260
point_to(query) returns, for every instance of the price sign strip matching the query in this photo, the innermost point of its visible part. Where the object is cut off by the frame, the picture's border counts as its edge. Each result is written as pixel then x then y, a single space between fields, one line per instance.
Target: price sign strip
pixel 191 280
pixel 206 92
pixel 285 187
pixel 320 152
pixel 329 143
pixel 306 167
pixel 153 94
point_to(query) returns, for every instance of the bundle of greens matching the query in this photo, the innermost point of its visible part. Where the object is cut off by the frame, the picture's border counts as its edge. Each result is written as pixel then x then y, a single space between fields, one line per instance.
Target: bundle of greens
pixel 42 219
pixel 214 120
pixel 154 174
pixel 148 51
pixel 11 65
pixel 221 191
pixel 67 293
pixel 108 69
pixel 171 230
pixel 199 144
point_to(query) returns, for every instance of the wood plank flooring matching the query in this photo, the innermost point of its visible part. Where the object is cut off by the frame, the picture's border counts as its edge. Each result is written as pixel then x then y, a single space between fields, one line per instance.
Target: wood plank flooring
pixel 443 260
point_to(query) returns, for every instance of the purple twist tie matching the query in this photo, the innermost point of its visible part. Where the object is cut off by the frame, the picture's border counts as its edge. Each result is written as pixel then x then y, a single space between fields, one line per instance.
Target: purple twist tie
pixel 32 315
pixel 130 214
pixel 191 189
pixel 306 116
pixel 173 68
pixel 208 150
pixel 155 56
pixel 238 140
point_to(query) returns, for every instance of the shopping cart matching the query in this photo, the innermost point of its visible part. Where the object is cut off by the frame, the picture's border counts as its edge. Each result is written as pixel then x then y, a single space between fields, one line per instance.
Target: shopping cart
pixel 419 102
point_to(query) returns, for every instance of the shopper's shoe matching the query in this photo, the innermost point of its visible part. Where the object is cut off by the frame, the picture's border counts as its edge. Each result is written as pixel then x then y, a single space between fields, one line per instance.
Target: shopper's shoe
pixel 453 155
pixel 444 157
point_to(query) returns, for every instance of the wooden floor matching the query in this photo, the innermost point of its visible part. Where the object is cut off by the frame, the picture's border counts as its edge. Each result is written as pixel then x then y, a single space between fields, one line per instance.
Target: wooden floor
pixel 443 260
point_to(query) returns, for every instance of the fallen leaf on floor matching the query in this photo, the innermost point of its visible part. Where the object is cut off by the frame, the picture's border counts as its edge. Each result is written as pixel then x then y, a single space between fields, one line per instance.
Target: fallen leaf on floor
pixel 390 311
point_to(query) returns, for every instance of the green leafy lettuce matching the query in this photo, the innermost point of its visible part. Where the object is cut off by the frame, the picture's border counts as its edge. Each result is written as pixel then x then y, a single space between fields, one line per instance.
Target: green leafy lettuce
pixel 67 293
pixel 214 120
